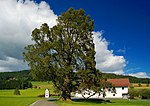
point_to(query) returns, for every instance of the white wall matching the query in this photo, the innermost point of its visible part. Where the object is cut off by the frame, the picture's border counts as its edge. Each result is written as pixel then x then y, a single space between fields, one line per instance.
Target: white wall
pixel 109 94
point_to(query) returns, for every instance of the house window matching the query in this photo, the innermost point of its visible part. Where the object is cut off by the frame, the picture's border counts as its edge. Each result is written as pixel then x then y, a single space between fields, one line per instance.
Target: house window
pixel 113 94
pixel 122 88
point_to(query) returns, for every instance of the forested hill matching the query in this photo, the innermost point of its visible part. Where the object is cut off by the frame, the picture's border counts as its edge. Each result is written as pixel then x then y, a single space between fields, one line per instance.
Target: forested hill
pixel 131 78
pixel 15 75
pixel 25 75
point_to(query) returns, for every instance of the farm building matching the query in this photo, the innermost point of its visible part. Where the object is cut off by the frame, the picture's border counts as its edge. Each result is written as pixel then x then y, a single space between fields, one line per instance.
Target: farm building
pixel 121 88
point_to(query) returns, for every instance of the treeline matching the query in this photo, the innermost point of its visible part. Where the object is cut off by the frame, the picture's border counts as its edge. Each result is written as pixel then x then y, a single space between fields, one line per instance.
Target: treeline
pixel 25 75
pixel 131 78
pixel 15 75
pixel 15 83
pixel 13 80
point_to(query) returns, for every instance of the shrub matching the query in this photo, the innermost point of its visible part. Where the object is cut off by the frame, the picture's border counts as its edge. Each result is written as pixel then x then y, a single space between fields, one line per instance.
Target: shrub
pixel 142 94
pixel 16 92
pixel 147 85
pixel 139 85
pixel 145 94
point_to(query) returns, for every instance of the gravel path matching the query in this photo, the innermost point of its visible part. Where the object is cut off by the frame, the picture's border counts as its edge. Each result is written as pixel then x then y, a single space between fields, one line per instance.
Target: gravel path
pixel 43 103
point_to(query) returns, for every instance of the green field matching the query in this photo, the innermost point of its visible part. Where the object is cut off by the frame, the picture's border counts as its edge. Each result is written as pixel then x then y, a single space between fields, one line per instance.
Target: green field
pixel 7 98
pixel 28 96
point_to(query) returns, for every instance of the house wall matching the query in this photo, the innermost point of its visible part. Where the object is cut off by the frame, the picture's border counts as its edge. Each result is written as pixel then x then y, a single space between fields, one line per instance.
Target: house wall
pixel 109 94
pixel 119 92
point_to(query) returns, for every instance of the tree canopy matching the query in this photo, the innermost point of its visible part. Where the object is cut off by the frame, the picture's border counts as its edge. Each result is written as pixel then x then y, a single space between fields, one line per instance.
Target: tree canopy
pixel 64 53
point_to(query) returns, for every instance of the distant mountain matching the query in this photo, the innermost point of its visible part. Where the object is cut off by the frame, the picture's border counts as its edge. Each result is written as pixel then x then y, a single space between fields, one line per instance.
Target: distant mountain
pixel 25 75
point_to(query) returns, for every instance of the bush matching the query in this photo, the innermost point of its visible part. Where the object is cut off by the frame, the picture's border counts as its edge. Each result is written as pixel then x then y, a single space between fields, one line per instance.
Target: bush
pixel 134 93
pixel 16 92
pixel 145 94
pixel 141 94
pixel 140 85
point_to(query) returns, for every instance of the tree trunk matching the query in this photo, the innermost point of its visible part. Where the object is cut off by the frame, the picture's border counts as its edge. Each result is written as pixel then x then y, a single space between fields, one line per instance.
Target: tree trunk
pixel 65 96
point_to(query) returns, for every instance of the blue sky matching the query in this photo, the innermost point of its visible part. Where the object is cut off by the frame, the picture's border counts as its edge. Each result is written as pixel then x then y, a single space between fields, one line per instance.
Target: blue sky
pixel 125 25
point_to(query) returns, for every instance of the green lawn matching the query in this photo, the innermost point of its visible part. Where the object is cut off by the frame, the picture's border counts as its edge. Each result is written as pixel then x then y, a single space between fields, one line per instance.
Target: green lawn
pixel 16 101
pixel 28 96
pixel 113 103
pixel 7 98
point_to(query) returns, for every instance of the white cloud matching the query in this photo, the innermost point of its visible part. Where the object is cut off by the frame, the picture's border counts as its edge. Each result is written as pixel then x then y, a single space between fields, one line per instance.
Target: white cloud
pixel 106 61
pixel 17 20
pixel 140 75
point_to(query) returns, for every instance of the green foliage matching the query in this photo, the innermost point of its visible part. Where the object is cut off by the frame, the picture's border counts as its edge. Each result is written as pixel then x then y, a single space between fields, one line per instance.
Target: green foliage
pixel 10 84
pixel 61 51
pixel 16 92
pixel 24 74
pixel 145 94
pixel 26 84
pixel 92 81
pixel 15 83
pixel 133 93
pixel 131 78
pixel 141 94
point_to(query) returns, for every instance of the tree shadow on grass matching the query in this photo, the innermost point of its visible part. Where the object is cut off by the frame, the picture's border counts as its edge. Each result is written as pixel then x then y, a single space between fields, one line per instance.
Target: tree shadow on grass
pixel 91 100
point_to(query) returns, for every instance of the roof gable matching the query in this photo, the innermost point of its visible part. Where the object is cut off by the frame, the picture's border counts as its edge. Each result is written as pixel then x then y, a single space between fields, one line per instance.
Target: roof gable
pixel 119 82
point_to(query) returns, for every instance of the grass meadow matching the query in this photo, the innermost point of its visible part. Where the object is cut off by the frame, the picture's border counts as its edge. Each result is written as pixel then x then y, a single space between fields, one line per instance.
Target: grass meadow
pixel 28 96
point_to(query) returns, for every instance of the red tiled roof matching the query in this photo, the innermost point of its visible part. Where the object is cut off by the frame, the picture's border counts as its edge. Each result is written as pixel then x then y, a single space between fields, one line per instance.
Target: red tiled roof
pixel 119 82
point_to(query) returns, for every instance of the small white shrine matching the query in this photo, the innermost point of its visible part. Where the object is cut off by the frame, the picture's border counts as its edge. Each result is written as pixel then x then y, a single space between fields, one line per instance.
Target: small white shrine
pixel 46 93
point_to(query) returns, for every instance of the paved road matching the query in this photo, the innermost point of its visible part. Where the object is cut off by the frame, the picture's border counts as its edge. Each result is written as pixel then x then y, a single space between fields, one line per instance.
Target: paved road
pixel 43 103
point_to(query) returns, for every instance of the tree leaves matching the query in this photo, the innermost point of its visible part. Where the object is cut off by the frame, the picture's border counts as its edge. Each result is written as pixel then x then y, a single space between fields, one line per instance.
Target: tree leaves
pixel 61 51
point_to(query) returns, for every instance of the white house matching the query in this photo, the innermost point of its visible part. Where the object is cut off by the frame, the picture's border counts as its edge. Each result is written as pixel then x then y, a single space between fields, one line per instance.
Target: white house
pixel 121 87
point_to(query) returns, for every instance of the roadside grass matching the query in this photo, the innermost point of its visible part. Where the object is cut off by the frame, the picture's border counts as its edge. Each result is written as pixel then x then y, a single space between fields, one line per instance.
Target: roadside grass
pixel 105 103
